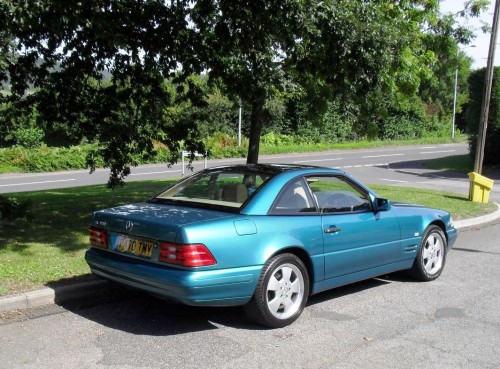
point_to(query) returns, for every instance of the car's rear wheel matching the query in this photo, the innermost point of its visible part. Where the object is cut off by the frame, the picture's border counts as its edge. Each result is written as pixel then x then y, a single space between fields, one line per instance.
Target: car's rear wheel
pixel 431 256
pixel 281 292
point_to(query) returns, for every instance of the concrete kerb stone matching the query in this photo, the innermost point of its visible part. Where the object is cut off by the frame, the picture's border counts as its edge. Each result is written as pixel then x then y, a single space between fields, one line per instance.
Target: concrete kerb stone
pixel 464 223
pixel 49 295
pixel 81 290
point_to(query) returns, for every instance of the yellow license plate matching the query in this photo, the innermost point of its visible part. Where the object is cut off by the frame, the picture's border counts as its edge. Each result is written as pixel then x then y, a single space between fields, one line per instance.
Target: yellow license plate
pixel 134 246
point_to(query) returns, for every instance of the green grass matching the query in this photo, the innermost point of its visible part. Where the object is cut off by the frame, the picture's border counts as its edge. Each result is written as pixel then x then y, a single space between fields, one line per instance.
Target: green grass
pixel 352 145
pixel 459 206
pixel 50 249
pixel 456 163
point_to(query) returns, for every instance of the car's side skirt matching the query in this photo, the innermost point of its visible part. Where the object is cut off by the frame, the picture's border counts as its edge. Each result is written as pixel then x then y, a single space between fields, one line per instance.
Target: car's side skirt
pixel 360 276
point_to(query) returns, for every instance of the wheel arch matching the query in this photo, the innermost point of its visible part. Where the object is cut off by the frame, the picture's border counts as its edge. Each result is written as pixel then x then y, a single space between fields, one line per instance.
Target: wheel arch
pixel 304 256
pixel 441 225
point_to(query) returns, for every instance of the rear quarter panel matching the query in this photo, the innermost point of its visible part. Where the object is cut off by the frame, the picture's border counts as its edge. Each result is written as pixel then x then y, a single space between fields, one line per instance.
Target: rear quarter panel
pixel 252 240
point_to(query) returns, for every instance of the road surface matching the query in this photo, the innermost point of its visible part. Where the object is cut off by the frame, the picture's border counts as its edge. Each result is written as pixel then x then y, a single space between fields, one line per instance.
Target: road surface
pixel 388 165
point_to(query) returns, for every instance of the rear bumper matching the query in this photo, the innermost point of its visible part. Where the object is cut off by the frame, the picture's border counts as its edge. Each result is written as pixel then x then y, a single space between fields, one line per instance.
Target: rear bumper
pixel 226 287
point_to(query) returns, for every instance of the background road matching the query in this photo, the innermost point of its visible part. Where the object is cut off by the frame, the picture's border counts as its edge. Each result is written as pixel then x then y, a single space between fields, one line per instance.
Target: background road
pixel 389 322
pixel 393 165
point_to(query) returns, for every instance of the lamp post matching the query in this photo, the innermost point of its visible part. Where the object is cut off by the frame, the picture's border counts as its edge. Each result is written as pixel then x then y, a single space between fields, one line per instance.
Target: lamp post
pixel 455 93
pixel 455 99
pixel 239 126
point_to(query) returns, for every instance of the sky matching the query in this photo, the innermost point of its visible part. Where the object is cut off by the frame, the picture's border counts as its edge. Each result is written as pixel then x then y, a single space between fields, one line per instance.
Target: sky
pixel 479 53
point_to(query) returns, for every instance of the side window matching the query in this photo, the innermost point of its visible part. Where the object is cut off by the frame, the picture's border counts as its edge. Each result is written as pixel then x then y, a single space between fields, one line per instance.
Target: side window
pixel 337 195
pixel 294 199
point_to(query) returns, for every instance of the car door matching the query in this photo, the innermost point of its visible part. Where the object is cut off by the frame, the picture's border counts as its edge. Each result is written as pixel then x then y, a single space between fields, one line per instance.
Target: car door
pixel 355 237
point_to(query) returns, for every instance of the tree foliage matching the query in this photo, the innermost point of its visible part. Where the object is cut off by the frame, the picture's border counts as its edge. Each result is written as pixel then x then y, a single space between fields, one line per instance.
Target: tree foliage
pixel 132 74
pixel 66 49
pixel 473 115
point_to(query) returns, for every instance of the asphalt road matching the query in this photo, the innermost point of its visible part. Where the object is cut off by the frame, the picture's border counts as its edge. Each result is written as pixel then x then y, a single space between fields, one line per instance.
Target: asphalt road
pixel 389 165
pixel 389 322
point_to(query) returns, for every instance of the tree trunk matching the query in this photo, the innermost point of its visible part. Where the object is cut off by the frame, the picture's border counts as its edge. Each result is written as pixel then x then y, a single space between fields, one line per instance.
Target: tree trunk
pixel 255 131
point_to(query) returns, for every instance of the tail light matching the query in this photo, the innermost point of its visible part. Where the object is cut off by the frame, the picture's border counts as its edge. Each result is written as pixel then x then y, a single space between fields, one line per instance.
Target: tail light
pixel 98 237
pixel 190 255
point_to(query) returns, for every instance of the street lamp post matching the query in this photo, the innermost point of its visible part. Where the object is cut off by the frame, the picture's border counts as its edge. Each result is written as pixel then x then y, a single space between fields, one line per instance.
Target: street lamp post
pixel 455 99
pixel 455 93
pixel 239 126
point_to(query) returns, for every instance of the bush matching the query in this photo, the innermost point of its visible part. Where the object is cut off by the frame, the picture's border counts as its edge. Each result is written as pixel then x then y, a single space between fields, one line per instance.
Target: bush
pixel 337 124
pixel 47 159
pixel 273 139
pixel 400 127
pixel 29 138
pixel 225 146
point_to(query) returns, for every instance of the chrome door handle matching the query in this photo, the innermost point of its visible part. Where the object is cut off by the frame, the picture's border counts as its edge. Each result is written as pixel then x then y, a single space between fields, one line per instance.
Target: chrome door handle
pixel 332 230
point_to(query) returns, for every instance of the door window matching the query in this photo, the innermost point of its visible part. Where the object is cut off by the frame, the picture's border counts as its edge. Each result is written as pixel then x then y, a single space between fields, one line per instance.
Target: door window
pixel 338 195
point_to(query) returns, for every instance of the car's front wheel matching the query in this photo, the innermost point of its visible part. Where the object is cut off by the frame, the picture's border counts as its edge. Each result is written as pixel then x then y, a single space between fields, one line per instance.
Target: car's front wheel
pixel 431 257
pixel 281 292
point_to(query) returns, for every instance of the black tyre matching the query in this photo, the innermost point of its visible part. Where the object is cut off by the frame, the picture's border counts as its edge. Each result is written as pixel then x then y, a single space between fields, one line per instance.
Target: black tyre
pixel 431 256
pixel 281 292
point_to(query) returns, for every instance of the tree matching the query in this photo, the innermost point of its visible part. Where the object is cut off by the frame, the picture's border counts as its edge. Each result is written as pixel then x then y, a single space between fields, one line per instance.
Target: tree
pixel 327 49
pixel 6 41
pixel 473 114
pixel 66 48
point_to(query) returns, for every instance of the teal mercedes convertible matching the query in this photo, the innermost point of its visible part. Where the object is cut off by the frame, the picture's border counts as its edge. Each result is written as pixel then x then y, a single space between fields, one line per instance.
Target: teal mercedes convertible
pixel 265 237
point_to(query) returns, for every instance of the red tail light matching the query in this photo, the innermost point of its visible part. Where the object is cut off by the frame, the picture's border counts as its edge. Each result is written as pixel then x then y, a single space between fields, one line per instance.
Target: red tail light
pixel 195 255
pixel 98 237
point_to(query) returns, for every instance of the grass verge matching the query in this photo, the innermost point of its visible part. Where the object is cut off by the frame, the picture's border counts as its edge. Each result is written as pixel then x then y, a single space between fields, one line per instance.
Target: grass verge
pixel 456 163
pixel 52 245
pixel 50 248
pixel 278 148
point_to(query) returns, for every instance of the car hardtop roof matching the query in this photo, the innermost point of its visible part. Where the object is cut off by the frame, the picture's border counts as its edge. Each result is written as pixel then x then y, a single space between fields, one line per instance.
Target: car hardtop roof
pixel 269 168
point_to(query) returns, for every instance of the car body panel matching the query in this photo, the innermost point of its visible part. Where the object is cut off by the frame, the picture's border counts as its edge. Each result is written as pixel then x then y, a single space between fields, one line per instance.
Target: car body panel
pixel 376 242
pixel 157 221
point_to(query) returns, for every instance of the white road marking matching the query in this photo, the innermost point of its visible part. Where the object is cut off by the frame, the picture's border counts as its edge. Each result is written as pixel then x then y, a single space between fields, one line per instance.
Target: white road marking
pixel 39 182
pixel 380 156
pixel 362 166
pixel 436 152
pixel 392 180
pixel 160 172
pixel 316 160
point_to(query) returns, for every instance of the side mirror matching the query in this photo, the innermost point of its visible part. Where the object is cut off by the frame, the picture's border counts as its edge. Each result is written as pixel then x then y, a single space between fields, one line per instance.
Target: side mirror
pixel 381 204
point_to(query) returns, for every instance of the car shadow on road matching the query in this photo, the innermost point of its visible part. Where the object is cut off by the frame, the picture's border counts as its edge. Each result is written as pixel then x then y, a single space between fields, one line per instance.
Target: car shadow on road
pixel 359 287
pixel 142 314
pixel 139 313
